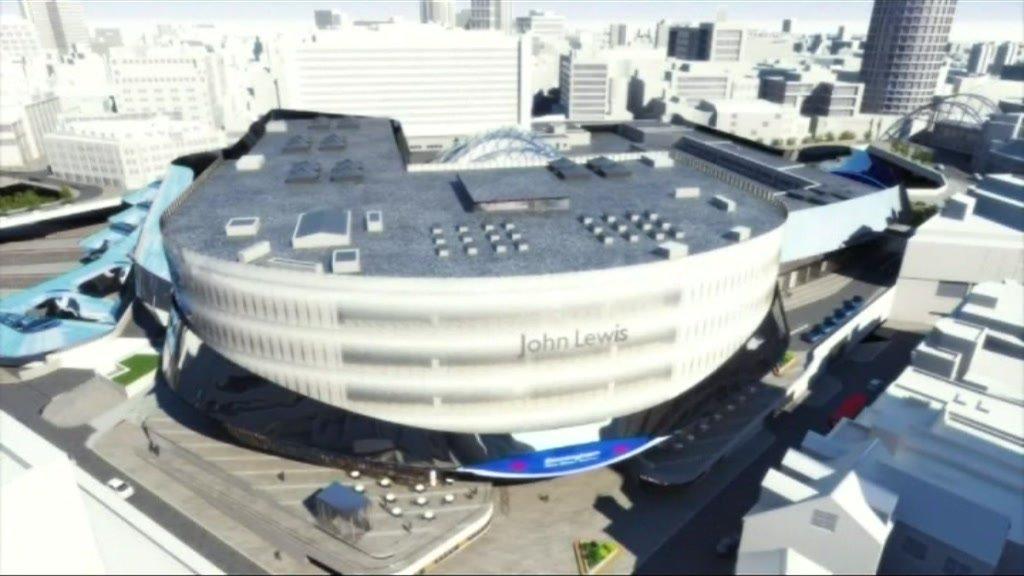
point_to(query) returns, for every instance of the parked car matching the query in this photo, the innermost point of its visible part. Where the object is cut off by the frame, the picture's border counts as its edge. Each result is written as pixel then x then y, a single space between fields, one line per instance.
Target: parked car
pixel 121 488
pixel 940 167
pixel 857 301
pixel 813 335
pixel 727 547
pixel 829 325
pixel 875 385
pixel 840 313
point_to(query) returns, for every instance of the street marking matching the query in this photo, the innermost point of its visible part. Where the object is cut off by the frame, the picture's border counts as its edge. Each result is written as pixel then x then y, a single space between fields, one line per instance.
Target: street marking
pixel 797 329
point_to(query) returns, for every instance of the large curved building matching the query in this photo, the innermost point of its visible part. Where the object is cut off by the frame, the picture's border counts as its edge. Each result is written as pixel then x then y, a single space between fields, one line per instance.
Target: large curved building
pixel 523 320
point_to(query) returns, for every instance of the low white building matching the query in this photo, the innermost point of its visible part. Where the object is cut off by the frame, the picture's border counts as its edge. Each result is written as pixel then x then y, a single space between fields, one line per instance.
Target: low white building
pixel 124 151
pixel 24 121
pixel 757 120
pixel 57 519
pixel 690 82
pixel 977 237
pixel 928 479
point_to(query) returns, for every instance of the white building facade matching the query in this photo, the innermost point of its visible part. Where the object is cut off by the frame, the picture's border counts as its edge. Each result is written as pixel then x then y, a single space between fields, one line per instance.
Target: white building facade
pixel 435 82
pixel 59 23
pixel 123 151
pixel 170 81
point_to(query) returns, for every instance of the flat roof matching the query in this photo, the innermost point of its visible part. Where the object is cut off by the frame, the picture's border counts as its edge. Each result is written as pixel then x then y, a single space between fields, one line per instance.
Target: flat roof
pixel 412 202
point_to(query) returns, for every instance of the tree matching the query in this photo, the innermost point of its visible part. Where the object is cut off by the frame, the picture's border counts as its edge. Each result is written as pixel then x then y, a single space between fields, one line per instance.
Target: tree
pixel 257 49
pixel 790 141
pixel 847 135
pixel 829 137
pixel 867 134
pixel 776 142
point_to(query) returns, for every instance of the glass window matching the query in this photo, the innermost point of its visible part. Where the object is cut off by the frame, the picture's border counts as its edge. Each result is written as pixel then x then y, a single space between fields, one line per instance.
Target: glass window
pixel 914 548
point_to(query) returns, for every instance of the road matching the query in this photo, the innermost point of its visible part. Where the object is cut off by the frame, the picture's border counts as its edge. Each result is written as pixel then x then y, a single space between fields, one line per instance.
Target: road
pixel 28 262
pixel 692 549
pixel 25 402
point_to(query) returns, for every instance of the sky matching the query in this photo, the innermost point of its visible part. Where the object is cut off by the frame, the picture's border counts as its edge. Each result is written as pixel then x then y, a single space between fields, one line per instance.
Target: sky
pixel 976 20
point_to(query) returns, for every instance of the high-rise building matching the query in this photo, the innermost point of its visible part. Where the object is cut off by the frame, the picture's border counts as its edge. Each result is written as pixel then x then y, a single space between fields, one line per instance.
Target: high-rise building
pixel 661 35
pixel 326 19
pixel 438 12
pixel 618 35
pixel 583 87
pixel 60 24
pixel 904 53
pixel 981 58
pixel 1006 55
pixel 171 81
pixel 708 41
pixel 435 82
pixel 545 26
pixel 491 15
pixel 18 38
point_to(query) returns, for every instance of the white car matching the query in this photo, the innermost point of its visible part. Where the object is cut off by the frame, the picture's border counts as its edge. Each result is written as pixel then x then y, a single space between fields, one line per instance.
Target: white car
pixel 121 488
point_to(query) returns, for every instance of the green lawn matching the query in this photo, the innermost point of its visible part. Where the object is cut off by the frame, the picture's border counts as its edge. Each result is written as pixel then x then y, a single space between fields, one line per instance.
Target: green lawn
pixel 136 367
pixel 30 198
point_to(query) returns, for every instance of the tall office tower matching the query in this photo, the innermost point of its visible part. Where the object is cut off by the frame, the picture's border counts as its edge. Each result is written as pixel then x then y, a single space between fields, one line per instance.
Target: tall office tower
pixel 435 82
pixel 18 37
pixel 904 53
pixel 60 24
pixel 583 86
pixel 787 26
pixel 981 58
pixel 546 26
pixel 491 15
pixel 708 41
pixel 618 35
pixel 326 19
pixel 438 12
pixel 175 82
pixel 661 35
pixel 1006 55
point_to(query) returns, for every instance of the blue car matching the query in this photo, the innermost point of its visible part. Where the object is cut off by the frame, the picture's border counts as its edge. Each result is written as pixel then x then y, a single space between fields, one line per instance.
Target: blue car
pixel 813 335
pixel 829 325
pixel 840 313
pixel 857 301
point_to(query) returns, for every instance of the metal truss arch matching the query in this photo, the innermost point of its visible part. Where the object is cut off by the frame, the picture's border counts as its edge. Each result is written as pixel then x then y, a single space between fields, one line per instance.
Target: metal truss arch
pixel 504 145
pixel 970 109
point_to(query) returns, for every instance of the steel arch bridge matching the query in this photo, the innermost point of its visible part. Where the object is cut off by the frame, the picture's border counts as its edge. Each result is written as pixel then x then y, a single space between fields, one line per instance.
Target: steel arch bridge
pixel 970 109
pixel 503 144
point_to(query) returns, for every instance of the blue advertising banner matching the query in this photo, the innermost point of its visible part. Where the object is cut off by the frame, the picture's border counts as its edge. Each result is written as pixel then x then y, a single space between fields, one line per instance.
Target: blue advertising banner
pixel 563 460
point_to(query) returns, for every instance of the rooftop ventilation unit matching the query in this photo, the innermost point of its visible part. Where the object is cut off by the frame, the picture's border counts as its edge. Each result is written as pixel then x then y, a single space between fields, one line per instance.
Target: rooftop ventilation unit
pixel 673 250
pixel 656 160
pixel 724 204
pixel 250 162
pixel 347 171
pixel 298 143
pixel 608 168
pixel 345 261
pixel 333 142
pixel 568 170
pixel 322 229
pixel 347 123
pixel 374 221
pixel 296 265
pixel 738 233
pixel 254 252
pixel 303 171
pixel 277 127
pixel 686 192
pixel 511 191
pixel 320 123
pixel 242 226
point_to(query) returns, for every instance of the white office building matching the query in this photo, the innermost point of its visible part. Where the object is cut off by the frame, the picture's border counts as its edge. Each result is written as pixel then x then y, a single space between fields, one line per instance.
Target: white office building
pixel 977 237
pixel 1006 55
pixel 690 82
pixel 757 120
pixel 546 27
pixel 929 479
pixel 982 56
pixel 491 15
pixel 18 38
pixel 441 12
pixel 60 24
pixel 435 82
pixel 23 123
pixel 176 82
pixel 123 151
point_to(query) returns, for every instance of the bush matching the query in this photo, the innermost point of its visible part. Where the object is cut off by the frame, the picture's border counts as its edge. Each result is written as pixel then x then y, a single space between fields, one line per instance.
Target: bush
pixel 847 135
pixel 921 212
pixel 867 135
pixel 829 137
pixel 776 142
pixel 790 141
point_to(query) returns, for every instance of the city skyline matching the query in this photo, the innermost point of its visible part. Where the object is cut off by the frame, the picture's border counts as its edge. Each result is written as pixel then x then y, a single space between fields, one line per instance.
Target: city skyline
pixel 977 20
